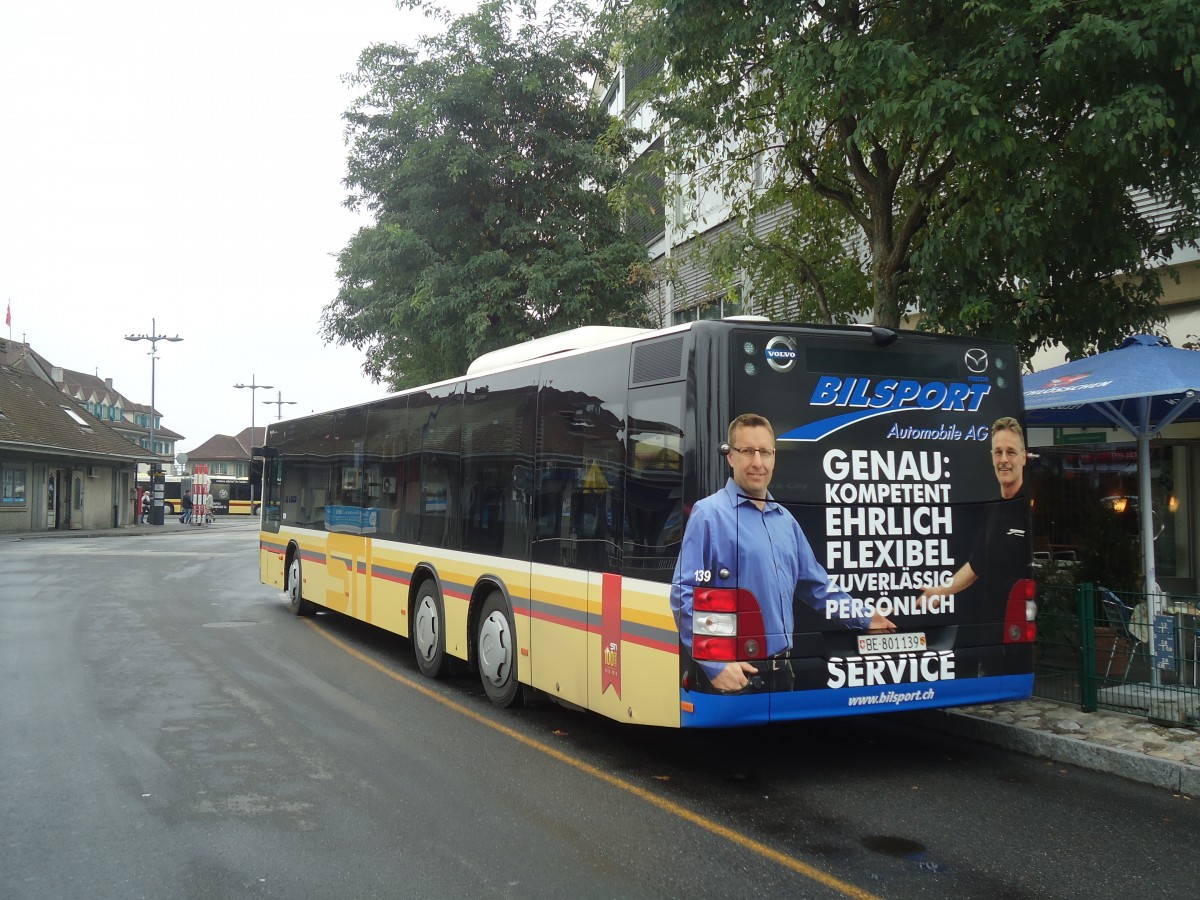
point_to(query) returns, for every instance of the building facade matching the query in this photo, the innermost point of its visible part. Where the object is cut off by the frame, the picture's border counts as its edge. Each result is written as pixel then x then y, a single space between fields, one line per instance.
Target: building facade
pixel 226 456
pixel 60 467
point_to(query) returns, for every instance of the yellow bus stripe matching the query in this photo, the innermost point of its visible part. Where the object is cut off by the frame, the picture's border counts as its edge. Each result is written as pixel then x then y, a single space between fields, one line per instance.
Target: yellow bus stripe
pixel 788 862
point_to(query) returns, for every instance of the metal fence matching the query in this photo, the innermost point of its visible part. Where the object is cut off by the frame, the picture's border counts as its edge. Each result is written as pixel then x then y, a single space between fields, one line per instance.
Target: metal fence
pixel 1102 649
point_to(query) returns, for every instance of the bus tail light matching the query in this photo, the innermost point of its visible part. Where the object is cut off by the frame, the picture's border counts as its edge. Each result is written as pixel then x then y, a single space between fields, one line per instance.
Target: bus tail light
pixel 727 625
pixel 1019 616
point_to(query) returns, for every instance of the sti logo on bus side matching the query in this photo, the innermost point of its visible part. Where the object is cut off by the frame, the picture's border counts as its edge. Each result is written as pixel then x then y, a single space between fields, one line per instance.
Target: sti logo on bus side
pixel 891 394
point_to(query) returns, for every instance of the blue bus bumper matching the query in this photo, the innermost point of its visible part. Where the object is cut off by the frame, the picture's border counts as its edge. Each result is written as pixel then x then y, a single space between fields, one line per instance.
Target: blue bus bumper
pixel 723 710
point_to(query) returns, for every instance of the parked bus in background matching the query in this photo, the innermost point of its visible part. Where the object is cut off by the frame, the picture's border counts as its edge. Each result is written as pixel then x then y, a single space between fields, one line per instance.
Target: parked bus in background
pixel 527 519
pixel 233 496
pixel 173 490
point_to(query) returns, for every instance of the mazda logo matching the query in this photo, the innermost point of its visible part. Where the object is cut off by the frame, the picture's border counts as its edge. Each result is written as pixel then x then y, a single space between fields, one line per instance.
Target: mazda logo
pixel 976 360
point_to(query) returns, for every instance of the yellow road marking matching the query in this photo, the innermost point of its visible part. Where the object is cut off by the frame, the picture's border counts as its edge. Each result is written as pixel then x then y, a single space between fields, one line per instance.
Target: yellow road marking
pixel 788 862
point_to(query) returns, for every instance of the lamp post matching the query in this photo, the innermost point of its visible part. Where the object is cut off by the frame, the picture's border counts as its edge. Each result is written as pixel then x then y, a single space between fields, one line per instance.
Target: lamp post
pixel 253 437
pixel 156 483
pixel 279 404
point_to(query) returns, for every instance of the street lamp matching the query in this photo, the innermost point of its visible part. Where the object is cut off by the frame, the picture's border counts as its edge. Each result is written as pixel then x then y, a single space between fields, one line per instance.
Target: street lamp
pixel 253 434
pixel 279 403
pixel 156 516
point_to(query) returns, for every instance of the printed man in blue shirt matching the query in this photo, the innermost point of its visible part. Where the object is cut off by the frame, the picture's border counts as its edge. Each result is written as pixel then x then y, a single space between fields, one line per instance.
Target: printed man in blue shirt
pixel 740 537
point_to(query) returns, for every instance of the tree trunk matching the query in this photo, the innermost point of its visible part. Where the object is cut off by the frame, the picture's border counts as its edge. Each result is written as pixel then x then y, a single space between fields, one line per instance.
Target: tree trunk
pixel 884 291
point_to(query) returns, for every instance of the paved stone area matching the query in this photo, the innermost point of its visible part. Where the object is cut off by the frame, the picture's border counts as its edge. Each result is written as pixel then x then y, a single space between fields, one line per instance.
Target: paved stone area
pixel 1117 743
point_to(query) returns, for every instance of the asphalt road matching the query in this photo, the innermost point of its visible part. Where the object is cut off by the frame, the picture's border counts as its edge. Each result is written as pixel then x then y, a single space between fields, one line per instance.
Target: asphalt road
pixel 167 729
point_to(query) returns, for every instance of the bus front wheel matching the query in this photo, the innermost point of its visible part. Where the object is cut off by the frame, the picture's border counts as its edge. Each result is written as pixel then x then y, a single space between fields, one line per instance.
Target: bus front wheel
pixel 295 587
pixel 496 648
pixel 428 639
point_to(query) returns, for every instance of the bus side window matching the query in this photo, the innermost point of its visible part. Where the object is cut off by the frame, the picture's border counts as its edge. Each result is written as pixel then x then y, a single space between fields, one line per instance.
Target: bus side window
pixel 579 475
pixel 383 453
pixel 654 493
pixel 272 494
pixel 435 440
pixel 498 434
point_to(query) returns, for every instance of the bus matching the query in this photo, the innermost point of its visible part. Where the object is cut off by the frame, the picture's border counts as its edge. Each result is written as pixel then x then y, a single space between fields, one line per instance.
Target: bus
pixel 526 518
pixel 233 496
pixel 174 487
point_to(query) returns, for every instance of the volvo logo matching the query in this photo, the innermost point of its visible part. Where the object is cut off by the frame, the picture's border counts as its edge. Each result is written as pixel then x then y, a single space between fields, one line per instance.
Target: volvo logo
pixel 976 360
pixel 781 353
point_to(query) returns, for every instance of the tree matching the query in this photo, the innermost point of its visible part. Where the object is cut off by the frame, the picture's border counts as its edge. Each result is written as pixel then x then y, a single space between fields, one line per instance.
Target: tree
pixel 979 154
pixel 484 160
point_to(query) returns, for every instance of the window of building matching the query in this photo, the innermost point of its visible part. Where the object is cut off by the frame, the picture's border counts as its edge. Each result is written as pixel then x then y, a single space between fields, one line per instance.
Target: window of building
pixel 717 307
pixel 75 417
pixel 639 69
pixel 1089 495
pixel 12 487
pixel 646 219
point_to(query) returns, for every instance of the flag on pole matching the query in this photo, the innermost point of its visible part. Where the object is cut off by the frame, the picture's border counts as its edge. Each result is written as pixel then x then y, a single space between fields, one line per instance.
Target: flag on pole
pixel 8 315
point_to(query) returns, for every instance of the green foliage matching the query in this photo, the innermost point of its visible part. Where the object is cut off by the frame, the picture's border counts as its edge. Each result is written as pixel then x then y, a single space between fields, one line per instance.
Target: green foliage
pixel 1058 604
pixel 978 156
pixel 484 159
pixel 800 267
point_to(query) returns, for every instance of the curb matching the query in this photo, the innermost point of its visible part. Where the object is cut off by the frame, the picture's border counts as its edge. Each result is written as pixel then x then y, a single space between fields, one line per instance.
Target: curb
pixel 129 531
pixel 1176 777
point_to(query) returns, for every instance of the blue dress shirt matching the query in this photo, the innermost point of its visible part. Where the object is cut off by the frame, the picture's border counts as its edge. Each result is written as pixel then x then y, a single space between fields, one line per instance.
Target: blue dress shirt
pixel 764 551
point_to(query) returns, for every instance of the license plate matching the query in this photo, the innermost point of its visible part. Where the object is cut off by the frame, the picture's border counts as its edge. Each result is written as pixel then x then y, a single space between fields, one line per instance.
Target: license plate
pixel 891 643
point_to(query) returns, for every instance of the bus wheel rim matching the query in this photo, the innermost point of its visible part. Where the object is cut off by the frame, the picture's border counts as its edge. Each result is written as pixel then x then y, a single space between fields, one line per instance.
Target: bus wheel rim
pixel 294 584
pixel 495 648
pixel 426 630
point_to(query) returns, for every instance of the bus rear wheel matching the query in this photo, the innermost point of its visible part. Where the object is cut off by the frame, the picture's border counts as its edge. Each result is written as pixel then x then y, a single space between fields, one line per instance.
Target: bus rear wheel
pixel 428 637
pixel 496 651
pixel 295 588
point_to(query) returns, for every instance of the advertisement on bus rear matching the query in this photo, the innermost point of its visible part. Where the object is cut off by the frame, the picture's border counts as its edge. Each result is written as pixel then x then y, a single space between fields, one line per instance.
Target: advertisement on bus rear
pixel 874 528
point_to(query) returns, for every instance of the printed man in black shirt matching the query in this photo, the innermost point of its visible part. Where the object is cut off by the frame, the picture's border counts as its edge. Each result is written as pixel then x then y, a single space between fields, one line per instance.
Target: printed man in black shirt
pixel 1001 550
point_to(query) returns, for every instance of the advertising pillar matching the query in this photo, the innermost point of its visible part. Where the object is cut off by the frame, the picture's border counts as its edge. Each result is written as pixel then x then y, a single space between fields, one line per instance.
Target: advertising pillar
pixel 200 495
pixel 158 487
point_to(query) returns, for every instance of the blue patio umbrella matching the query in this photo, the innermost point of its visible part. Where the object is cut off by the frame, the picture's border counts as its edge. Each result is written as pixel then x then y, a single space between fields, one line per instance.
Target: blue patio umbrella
pixel 1141 387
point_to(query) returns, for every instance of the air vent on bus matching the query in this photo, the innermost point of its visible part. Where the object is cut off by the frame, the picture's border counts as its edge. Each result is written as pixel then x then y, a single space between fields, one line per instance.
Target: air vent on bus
pixel 660 360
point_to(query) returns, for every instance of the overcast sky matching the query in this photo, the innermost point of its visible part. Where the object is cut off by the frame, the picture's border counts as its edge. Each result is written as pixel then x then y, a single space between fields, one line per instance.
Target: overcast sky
pixel 181 163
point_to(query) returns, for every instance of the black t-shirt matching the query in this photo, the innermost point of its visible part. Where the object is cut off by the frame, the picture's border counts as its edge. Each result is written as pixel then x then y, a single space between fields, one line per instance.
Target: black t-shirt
pixel 1002 551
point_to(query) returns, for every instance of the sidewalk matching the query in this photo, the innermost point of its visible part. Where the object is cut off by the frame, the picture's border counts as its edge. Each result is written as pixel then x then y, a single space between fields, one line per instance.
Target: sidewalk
pixel 1115 743
pixel 170 525
pixel 1103 741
